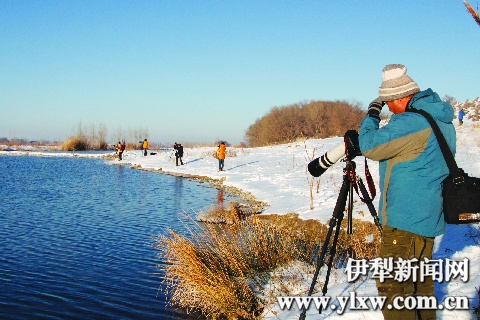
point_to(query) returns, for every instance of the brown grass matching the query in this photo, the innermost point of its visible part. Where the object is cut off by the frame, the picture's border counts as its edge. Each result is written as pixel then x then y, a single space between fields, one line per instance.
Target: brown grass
pixel 220 270
pixel 231 214
pixel 208 273
pixel 76 143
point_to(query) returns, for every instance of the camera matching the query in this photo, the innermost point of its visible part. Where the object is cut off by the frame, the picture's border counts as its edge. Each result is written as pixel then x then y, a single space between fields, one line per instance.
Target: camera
pixel 349 148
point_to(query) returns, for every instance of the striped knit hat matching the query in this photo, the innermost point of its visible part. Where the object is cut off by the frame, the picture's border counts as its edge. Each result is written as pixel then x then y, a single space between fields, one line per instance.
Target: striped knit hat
pixel 396 83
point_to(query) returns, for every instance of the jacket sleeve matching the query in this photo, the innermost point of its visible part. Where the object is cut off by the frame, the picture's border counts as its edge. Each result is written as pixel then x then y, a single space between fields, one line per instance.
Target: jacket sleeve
pixel 405 134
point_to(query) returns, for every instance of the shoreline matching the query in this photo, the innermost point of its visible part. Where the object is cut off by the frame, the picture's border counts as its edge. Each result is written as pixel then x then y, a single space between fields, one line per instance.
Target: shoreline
pixel 251 201
pixel 271 179
pixel 275 178
pixel 255 205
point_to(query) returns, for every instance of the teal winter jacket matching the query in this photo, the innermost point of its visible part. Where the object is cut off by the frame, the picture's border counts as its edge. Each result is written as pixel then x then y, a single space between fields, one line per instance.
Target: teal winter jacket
pixel 411 164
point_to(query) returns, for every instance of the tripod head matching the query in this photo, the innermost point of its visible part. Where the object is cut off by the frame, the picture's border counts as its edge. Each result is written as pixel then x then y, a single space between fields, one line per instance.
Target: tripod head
pixel 348 148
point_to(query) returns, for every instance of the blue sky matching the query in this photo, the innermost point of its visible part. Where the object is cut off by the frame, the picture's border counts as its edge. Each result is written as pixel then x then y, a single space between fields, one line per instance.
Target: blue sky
pixel 200 71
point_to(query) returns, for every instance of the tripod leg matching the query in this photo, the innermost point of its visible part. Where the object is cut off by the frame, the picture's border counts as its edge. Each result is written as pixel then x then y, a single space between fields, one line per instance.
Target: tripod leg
pixel 333 252
pixel 337 215
pixel 350 217
pixel 350 210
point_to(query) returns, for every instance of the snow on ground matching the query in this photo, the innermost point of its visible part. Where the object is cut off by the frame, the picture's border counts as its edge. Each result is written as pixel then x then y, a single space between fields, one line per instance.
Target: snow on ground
pixel 277 175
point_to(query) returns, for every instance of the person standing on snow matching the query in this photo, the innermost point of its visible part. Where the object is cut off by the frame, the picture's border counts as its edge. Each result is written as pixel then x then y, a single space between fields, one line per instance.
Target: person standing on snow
pixel 119 150
pixel 461 114
pixel 221 155
pixel 123 147
pixel 412 169
pixel 178 153
pixel 145 147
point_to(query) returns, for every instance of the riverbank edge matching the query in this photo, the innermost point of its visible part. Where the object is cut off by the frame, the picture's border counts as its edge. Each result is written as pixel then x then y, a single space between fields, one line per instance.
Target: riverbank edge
pixel 251 202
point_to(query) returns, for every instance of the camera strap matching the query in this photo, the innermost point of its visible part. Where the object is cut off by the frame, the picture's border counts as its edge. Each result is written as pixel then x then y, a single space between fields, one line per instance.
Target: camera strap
pixel 353 177
pixel 371 185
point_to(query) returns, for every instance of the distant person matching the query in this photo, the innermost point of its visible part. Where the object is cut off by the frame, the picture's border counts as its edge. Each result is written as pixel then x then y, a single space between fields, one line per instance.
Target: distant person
pixel 123 146
pixel 145 147
pixel 119 150
pixel 461 114
pixel 178 153
pixel 221 155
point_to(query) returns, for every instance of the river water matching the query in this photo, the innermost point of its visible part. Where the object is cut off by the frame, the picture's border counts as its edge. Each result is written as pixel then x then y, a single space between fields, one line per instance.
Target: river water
pixel 76 237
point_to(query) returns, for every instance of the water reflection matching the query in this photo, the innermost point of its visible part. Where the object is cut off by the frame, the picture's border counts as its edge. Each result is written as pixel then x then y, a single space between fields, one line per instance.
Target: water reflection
pixel 220 199
pixel 178 189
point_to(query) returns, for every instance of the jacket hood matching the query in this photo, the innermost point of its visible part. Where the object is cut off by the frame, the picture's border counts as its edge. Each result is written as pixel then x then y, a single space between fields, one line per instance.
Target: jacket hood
pixel 429 101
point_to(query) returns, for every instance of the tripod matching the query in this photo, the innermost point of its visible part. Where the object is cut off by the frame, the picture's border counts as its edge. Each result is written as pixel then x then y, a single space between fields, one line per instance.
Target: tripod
pixel 350 180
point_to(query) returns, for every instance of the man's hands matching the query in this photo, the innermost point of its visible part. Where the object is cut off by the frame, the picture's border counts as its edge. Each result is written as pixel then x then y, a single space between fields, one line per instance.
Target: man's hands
pixel 375 107
pixel 351 143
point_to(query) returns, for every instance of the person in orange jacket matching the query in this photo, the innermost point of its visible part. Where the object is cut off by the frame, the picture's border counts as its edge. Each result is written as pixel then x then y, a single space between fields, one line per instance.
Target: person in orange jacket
pixel 221 155
pixel 145 147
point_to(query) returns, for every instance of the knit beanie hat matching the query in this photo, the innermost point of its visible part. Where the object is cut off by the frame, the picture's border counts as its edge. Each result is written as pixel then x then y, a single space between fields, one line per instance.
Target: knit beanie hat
pixel 396 83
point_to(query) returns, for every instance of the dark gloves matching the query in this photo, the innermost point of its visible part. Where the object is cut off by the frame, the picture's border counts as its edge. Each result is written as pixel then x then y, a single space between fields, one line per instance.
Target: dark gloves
pixel 375 108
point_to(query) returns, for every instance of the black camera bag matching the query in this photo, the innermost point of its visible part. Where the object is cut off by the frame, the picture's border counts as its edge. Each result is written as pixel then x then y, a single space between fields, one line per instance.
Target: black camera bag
pixel 461 199
pixel 461 193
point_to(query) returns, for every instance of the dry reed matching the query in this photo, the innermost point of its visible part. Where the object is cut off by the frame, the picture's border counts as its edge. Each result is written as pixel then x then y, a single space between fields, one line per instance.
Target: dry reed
pixel 220 270
pixel 75 143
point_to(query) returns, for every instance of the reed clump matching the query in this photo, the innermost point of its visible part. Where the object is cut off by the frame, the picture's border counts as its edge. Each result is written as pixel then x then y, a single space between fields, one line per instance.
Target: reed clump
pixel 231 214
pixel 208 273
pixel 221 270
pixel 75 143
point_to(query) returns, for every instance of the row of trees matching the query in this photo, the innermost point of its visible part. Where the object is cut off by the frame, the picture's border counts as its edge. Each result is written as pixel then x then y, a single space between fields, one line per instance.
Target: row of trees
pixel 95 137
pixel 316 119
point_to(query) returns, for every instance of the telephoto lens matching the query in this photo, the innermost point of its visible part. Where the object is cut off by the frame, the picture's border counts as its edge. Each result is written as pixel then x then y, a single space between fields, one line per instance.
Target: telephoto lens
pixel 318 166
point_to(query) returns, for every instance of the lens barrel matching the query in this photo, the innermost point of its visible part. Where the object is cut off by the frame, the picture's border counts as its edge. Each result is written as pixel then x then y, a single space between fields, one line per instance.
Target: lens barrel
pixel 319 165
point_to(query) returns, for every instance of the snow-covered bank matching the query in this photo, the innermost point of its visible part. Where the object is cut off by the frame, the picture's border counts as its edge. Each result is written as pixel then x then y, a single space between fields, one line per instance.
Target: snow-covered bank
pixel 277 175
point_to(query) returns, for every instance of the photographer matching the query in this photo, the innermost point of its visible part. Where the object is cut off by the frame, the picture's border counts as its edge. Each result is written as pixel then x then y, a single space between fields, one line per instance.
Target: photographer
pixel 119 150
pixel 412 169
pixel 145 147
pixel 178 153
pixel 221 155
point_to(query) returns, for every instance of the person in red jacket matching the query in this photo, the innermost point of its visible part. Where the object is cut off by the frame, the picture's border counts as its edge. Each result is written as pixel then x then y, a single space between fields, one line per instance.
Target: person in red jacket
pixel 221 155
pixel 120 150
pixel 122 147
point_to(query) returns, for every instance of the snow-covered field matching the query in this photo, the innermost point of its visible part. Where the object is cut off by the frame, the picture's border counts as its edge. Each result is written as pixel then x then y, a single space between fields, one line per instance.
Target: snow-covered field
pixel 277 175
